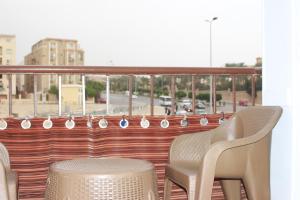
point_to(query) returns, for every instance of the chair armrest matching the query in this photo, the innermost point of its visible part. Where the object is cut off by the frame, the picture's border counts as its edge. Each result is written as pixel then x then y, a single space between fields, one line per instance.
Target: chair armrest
pixel 3 181
pixel 4 156
pixel 190 147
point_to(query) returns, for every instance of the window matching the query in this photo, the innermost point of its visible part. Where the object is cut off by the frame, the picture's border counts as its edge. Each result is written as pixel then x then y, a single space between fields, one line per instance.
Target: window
pixel 0 50
pixel 52 45
pixel 71 57
pixel 70 45
pixel 52 57
pixel 80 56
pixel 9 51
pixel 0 61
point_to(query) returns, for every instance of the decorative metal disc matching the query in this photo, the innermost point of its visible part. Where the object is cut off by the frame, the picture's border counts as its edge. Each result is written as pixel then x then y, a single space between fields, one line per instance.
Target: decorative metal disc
pixel 204 121
pixel 164 123
pixel 70 124
pixel 103 123
pixel 145 123
pixel 89 124
pixel 25 124
pixel 47 124
pixel 3 124
pixel 123 123
pixel 184 123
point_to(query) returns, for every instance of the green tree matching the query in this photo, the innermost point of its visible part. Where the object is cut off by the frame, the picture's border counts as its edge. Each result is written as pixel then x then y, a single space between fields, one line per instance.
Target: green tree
pixel 206 97
pixel 235 64
pixel 93 89
pixel 53 90
pixel 180 94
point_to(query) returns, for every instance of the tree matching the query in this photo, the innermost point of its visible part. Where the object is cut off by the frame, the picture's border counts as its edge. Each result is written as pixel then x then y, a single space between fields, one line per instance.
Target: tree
pixel 235 64
pixel 180 94
pixel 94 89
pixel 53 90
pixel 206 97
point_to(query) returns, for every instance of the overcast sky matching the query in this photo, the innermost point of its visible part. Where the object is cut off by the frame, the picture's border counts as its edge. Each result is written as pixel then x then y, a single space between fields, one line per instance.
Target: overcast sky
pixel 140 32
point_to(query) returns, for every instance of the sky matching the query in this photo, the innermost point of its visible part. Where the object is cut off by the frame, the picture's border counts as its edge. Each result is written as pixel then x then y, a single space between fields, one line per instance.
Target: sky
pixel 141 32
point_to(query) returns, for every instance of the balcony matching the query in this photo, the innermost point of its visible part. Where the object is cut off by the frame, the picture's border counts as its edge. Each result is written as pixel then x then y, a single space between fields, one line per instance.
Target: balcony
pixel 33 148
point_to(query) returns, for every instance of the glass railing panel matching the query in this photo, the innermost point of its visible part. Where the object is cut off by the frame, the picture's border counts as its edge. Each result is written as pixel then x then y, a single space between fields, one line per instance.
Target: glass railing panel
pixel 47 95
pixel 119 95
pixel 243 92
pixel 23 105
pixel 183 95
pixel 4 95
pixel 258 98
pixel 224 94
pixel 141 99
pixel 162 94
pixel 95 94
pixel 71 91
pixel 202 94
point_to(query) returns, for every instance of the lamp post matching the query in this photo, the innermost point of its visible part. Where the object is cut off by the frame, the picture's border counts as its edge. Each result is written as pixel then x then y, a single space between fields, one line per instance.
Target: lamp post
pixel 210 21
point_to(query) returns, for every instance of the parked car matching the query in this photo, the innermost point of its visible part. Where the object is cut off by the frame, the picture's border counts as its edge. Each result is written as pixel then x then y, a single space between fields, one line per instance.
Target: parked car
pixel 165 101
pixel 243 102
pixel 200 108
pixel 100 100
pixel 134 96
pixel 186 102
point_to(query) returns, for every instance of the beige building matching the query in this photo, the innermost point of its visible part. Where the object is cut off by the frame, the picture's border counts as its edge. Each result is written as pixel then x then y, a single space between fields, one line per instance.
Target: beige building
pixel 7 57
pixel 53 51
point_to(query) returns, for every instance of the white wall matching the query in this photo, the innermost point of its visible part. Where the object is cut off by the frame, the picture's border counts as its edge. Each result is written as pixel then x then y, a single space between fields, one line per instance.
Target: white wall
pixel 281 80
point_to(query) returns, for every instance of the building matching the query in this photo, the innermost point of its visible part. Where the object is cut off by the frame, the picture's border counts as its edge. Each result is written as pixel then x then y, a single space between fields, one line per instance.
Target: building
pixel 53 51
pixel 7 57
pixel 258 62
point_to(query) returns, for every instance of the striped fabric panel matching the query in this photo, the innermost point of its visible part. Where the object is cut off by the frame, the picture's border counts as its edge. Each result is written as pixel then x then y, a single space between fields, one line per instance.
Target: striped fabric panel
pixel 32 151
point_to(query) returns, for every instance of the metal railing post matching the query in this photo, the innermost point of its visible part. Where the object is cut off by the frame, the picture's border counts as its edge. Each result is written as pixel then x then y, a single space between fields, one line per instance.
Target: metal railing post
pixel 253 89
pixel 59 95
pixel 34 95
pixel 10 94
pixel 193 94
pixel 130 96
pixel 107 94
pixel 83 94
pixel 152 95
pixel 173 94
pixel 233 93
pixel 214 93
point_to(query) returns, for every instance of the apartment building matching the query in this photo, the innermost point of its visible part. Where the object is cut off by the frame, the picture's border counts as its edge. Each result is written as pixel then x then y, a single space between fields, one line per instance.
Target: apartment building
pixel 53 51
pixel 7 57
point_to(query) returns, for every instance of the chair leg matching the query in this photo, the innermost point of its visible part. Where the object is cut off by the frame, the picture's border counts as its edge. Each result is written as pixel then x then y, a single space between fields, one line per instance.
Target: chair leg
pixel 167 189
pixel 231 189
pixel 191 194
pixel 257 184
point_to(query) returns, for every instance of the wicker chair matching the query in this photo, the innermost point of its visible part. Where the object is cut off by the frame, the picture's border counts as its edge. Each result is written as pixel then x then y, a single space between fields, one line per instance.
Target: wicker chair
pixel 8 178
pixel 238 150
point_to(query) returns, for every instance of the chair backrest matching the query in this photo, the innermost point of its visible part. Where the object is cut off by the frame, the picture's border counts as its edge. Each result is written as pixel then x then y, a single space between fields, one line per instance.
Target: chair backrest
pixel 248 122
pixel 256 118
pixel 4 157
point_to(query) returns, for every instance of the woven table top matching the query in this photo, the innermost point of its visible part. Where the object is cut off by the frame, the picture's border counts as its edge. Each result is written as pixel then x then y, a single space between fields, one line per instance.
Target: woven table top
pixel 102 166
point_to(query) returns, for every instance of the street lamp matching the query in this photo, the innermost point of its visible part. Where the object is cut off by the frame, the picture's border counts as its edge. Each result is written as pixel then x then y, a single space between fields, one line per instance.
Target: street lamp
pixel 210 21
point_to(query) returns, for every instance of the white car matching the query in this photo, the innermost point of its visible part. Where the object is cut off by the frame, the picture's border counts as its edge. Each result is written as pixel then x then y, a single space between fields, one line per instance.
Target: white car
pixel 186 102
pixel 165 101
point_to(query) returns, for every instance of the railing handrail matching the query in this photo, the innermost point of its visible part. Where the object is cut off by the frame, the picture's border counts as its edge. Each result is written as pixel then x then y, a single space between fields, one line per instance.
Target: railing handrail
pixel 126 70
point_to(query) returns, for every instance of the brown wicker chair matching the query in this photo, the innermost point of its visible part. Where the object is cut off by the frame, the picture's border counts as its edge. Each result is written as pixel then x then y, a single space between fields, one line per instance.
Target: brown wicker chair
pixel 8 178
pixel 238 150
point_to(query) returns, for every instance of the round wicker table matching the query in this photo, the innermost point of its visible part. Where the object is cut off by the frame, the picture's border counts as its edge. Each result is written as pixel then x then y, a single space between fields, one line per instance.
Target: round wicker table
pixel 103 179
